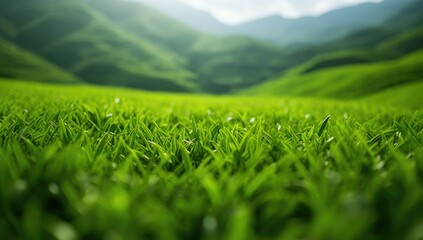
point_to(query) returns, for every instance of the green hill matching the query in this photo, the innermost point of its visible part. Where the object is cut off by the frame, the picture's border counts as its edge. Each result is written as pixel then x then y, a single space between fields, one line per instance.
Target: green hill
pixel 129 44
pixel 366 46
pixel 17 63
pixel 237 62
pixel 408 41
pixel 367 62
pixel 399 35
pixel 351 81
pixel 220 64
pixel 80 39
pixel 409 95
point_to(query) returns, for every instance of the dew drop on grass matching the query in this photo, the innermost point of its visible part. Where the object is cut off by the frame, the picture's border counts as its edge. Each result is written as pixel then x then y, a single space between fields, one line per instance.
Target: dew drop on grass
pixel 346 116
pixel 22 132
pixel 26 111
pixel 307 116
pixel 114 179
pixel 333 177
pixel 91 198
pixel 210 223
pixel 252 120
pixel 384 174
pixel 188 142
pixel 279 127
pixel 117 100
pixel 109 115
pixel 153 180
pixel 64 231
pixel 54 188
pixel 20 185
pixel 379 166
pixel 230 118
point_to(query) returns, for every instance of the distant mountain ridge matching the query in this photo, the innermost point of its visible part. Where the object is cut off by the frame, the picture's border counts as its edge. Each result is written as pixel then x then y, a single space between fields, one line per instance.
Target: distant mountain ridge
pixel 283 31
pixel 196 19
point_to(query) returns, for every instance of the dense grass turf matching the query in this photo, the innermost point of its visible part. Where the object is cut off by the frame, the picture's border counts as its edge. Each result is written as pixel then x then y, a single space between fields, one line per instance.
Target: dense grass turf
pixel 92 163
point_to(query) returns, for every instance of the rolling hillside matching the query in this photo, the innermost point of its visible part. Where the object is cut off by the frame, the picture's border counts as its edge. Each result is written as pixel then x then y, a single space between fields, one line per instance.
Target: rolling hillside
pixel 220 64
pixel 363 63
pixel 371 61
pixel 351 81
pixel 406 95
pixel 78 38
pixel 398 36
pixel 129 44
pixel 16 63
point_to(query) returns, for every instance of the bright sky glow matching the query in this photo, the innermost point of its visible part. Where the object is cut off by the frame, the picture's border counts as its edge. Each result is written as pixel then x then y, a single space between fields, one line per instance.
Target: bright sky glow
pixel 237 11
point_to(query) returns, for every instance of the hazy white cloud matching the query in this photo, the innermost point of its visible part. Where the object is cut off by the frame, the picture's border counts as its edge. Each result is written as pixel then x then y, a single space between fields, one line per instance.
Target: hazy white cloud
pixel 236 11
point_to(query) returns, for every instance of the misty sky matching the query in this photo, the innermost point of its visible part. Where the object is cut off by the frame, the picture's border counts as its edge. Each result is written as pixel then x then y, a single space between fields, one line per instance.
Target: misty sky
pixel 236 11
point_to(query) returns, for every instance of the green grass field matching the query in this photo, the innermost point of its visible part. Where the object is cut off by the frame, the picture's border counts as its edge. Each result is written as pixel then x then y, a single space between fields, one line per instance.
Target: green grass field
pixel 81 162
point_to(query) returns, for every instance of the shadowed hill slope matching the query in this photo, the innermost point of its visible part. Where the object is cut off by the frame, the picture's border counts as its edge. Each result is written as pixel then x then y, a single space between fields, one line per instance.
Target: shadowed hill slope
pixel 78 38
pixel 352 81
pixel 17 63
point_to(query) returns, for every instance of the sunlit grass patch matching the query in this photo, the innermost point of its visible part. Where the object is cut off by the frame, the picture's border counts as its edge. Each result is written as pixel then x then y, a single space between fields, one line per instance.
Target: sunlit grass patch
pixel 77 163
